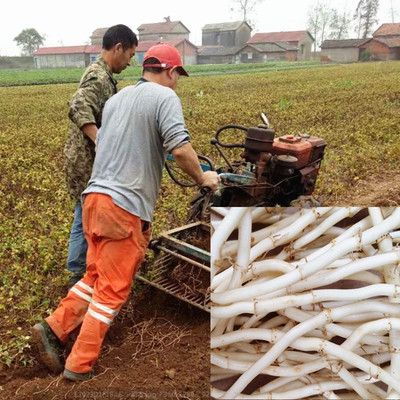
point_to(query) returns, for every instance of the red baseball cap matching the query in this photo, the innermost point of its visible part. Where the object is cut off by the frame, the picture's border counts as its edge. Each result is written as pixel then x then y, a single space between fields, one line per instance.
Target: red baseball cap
pixel 168 57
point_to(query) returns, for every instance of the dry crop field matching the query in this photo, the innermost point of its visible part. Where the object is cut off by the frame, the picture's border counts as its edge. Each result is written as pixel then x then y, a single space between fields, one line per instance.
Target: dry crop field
pixel 355 108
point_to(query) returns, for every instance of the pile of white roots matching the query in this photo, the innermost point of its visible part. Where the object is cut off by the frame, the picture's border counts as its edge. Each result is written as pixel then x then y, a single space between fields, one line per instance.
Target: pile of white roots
pixel 307 301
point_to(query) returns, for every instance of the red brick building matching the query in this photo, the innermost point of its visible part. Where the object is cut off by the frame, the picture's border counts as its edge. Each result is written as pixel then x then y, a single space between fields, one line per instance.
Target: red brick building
pixel 264 52
pixel 302 40
pixel 187 49
pixel 164 31
pixel 384 44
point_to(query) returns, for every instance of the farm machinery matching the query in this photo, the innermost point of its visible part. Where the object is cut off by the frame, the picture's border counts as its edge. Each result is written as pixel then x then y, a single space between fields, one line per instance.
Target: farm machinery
pixel 271 171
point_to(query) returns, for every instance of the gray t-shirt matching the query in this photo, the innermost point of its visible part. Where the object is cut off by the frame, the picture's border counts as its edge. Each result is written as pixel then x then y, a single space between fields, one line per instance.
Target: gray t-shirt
pixel 140 125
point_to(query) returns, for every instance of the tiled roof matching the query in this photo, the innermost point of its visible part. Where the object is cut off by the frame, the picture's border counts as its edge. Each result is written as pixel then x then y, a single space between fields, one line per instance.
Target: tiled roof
pixel 224 26
pixel 89 49
pixel 342 44
pixel 389 42
pixel 93 48
pixel 279 47
pixel 387 30
pixel 286 46
pixel 218 50
pixel 268 48
pixel 160 27
pixel 144 45
pixel 272 37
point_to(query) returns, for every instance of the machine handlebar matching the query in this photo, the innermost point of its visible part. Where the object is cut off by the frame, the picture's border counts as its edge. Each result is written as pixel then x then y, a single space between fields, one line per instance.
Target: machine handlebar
pixel 216 141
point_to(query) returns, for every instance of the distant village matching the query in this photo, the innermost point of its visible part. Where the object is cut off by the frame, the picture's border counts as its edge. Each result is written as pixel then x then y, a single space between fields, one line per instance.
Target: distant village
pixel 232 42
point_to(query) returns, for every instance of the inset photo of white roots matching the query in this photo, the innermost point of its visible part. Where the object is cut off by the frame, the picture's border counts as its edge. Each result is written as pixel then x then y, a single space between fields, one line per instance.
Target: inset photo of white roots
pixel 305 303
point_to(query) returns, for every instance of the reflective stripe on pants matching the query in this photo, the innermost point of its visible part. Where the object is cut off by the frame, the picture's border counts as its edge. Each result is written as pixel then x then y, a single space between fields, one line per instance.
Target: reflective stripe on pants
pixel 116 248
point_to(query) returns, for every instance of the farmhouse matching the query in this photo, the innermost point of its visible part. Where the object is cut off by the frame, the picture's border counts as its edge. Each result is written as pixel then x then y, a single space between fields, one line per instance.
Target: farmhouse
pixel 347 50
pixel 163 31
pixel 385 43
pixel 65 56
pixel 174 33
pixel 264 52
pixel 221 42
pixel 302 40
pixel 187 49
pixel 218 55
pixel 230 42
pixel 227 34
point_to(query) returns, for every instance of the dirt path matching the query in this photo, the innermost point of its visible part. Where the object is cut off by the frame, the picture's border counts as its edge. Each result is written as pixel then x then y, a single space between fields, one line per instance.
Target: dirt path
pixel 380 191
pixel 157 349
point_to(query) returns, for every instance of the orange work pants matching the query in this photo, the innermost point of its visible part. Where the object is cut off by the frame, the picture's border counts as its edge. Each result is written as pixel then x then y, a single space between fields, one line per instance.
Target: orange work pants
pixel 116 248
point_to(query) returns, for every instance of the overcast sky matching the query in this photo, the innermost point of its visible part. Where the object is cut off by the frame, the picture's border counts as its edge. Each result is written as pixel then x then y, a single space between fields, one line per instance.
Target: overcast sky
pixel 72 22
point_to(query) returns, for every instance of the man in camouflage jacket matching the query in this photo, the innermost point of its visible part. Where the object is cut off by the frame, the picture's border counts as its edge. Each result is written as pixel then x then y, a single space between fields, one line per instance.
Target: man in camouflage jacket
pixel 85 111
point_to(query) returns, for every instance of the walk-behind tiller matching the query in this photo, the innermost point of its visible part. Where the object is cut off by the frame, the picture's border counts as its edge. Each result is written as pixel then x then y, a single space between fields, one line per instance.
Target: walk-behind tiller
pixel 272 171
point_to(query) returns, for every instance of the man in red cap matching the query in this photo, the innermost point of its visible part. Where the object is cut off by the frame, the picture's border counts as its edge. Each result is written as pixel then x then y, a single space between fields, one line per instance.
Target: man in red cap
pixel 140 125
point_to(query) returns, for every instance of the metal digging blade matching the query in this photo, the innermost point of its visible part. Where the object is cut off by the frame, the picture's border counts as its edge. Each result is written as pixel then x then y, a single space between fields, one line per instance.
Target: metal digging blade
pixel 182 264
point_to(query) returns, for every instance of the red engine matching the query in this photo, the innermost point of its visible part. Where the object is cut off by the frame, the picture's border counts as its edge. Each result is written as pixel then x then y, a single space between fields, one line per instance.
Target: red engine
pixel 307 149
pixel 274 171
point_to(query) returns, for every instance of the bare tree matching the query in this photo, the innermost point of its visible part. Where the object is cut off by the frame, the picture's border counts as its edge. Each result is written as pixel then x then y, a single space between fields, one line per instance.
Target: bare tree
pixel 365 17
pixel 246 8
pixel 313 24
pixel 340 25
pixel 394 13
pixel 326 16
pixel 357 18
pixel 319 18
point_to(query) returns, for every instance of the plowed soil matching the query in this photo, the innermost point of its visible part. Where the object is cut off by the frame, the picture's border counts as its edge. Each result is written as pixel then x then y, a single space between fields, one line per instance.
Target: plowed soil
pixel 156 349
pixel 380 191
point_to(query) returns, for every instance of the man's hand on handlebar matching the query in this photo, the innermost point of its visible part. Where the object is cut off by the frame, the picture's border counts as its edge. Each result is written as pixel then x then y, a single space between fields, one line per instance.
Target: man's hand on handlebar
pixel 210 180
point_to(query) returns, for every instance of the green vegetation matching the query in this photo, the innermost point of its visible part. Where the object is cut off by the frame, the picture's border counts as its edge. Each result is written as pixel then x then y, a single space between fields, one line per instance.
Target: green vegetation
pixel 29 40
pixel 26 77
pixel 355 108
pixel 15 62
pixel 17 77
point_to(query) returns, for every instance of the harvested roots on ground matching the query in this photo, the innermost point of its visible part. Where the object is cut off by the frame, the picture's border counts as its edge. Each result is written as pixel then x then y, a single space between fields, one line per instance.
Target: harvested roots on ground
pixel 192 279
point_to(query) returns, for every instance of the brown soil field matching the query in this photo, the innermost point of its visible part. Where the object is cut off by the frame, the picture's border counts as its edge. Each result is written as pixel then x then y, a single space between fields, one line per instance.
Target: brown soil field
pixel 156 349
pixel 158 346
pixel 379 191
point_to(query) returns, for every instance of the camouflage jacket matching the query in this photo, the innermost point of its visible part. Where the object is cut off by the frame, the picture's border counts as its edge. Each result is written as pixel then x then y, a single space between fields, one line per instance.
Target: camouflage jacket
pixel 86 106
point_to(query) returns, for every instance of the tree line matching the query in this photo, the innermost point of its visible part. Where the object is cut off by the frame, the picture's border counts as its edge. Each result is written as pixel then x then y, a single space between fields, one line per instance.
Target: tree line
pixel 325 22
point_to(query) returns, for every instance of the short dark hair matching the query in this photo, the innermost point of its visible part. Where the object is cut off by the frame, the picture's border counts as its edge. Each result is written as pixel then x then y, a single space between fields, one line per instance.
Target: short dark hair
pixel 154 70
pixel 119 34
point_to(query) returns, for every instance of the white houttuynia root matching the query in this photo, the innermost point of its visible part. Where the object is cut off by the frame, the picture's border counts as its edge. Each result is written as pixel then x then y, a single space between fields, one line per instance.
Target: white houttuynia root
pixel 307 301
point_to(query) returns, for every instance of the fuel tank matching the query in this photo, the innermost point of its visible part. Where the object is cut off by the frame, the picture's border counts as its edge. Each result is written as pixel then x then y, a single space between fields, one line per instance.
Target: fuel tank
pixel 306 148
